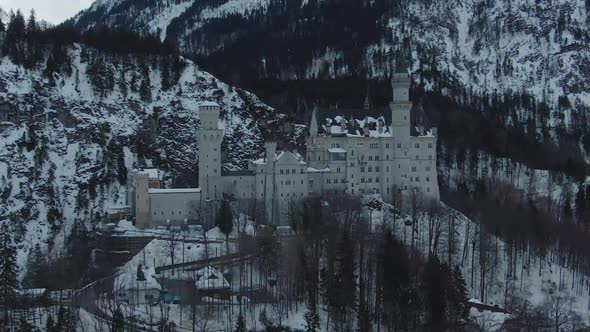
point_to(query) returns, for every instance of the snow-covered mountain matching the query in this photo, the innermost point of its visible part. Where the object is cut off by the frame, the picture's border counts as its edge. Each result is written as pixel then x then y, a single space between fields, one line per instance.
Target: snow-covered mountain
pixel 463 46
pixel 73 136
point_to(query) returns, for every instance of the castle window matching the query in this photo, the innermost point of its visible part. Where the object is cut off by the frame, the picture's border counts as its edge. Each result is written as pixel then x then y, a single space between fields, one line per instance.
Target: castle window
pixel 428 169
pixel 351 164
pixel 342 180
pixel 417 157
pixel 293 171
pixel 399 145
pixel 370 180
pixel 388 190
pixel 417 179
pixel 430 157
pixel 335 181
pixel 399 165
pixel 235 182
pixel 428 189
pixel 387 168
pixel 430 145
pixel 338 170
pixel 370 169
pixel 214 171
pixel 377 169
pixel 387 146
pixel 417 145
pixel 281 171
pixel 427 179
pixel 352 153
pixel 376 179
pixel 413 168
pixel 310 183
pixel 287 171
pixel 328 181
pixel 370 157
pixel 363 157
pixel 362 180
pixel 387 180
pixel 405 153
pixel 405 187
pixel 387 157
pixel 154 213
pixel 362 169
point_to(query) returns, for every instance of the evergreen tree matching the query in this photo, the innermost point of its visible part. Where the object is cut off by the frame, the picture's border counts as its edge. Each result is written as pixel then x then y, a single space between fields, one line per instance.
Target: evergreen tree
pixel 9 283
pixel 435 293
pixel 49 324
pixel 35 268
pixel 241 324
pixel 224 219
pixel 165 74
pixel 312 319
pixel 24 326
pixel 166 326
pixel 145 90
pixel 118 324
pixel 140 274
pixel 458 300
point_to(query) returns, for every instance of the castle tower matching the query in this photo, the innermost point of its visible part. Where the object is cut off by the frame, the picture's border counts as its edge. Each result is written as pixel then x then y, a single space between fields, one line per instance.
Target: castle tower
pixel 401 104
pixel 210 138
pixel 314 152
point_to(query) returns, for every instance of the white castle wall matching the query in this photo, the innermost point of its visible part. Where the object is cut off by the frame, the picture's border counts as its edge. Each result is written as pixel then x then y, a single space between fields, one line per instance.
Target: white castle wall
pixel 388 161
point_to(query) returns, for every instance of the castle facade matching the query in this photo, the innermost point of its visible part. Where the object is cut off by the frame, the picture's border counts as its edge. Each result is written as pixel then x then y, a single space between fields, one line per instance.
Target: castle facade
pixel 355 152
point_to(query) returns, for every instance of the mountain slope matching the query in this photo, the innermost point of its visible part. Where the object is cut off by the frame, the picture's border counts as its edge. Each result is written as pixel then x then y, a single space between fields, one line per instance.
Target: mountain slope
pixel 484 47
pixel 76 133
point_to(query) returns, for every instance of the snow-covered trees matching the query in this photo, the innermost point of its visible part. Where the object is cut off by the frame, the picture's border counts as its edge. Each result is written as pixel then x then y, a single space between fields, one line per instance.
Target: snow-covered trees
pixel 9 283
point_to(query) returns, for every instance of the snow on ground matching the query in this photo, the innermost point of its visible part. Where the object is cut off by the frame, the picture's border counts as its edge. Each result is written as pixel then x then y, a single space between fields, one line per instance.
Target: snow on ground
pixel 69 173
pixel 536 279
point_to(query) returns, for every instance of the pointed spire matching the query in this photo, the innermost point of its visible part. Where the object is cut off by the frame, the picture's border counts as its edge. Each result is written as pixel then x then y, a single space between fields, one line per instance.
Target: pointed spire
pixel 313 126
pixel 367 105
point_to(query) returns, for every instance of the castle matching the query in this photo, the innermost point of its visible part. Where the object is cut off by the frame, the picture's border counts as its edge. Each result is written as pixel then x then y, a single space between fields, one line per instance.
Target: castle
pixel 351 152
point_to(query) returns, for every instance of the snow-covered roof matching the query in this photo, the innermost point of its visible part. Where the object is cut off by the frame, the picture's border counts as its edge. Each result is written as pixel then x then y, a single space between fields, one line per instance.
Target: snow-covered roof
pixel 152 173
pixel 208 104
pixel 210 278
pixel 315 170
pixel 278 156
pixel 174 191
pixel 336 150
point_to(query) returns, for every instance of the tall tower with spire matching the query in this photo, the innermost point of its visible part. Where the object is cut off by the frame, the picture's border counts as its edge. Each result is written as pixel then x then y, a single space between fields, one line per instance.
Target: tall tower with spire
pixel 401 104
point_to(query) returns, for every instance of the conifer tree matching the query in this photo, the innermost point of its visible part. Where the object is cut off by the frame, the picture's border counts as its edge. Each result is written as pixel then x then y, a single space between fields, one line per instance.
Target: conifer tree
pixel 9 283
pixel 145 90
pixel 118 324
pixel 312 319
pixel 241 324
pixel 49 324
pixel 35 268
pixel 225 219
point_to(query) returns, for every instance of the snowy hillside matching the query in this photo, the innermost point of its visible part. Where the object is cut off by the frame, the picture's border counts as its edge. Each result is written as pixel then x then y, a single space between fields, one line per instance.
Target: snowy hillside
pixel 65 157
pixel 483 47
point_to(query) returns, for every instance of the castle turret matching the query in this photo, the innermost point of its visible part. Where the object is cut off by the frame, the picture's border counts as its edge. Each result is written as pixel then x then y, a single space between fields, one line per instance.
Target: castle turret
pixel 210 137
pixel 313 126
pixel 401 104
